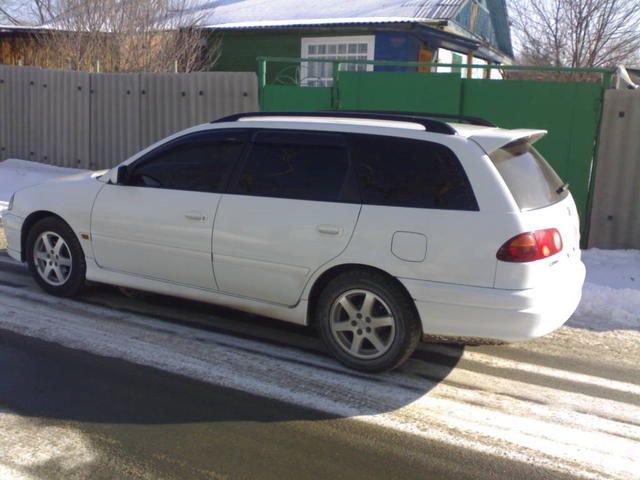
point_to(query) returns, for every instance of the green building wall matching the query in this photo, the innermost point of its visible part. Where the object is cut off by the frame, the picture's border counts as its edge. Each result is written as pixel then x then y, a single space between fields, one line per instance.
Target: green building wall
pixel 240 48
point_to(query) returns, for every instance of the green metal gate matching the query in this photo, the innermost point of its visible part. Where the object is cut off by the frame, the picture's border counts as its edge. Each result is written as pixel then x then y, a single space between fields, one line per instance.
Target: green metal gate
pixel 569 110
pixel 400 91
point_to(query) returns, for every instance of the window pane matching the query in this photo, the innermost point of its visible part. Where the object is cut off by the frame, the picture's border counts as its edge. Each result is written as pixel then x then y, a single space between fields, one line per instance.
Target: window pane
pixel 322 70
pixel 322 49
pixel 342 48
pixel 456 60
pixel 353 48
pixel 531 180
pixel 331 50
pixel 279 168
pixel 410 173
pixel 313 49
pixel 362 48
pixel 198 163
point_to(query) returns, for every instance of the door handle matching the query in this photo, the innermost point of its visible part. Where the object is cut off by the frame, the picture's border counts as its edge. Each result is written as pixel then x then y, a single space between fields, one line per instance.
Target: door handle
pixel 195 216
pixel 329 229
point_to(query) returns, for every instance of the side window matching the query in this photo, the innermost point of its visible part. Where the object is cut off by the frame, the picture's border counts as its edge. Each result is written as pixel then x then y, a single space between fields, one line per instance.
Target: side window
pixel 199 163
pixel 299 165
pixel 410 173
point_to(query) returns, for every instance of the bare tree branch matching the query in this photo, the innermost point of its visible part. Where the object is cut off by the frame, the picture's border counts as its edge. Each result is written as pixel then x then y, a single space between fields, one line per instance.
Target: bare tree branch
pixel 577 33
pixel 27 12
pixel 123 35
pixel 10 12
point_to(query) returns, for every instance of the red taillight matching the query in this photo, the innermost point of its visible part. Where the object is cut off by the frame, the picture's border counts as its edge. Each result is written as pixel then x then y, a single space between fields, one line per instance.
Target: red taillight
pixel 531 246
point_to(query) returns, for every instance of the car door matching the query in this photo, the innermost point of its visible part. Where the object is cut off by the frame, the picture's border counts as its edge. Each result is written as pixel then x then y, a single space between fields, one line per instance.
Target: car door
pixel 289 210
pixel 159 224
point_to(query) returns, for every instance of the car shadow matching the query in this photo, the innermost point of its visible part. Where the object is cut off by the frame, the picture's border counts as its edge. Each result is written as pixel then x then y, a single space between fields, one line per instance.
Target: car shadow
pixel 130 417
pixel 45 380
pixel 41 379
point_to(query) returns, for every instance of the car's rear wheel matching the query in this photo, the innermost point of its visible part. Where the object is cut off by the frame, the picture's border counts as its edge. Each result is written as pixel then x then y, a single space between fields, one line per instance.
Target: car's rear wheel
pixel 367 321
pixel 55 257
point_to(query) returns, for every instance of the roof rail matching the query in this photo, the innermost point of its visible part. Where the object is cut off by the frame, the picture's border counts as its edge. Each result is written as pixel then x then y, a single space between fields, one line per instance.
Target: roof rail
pixel 464 118
pixel 429 124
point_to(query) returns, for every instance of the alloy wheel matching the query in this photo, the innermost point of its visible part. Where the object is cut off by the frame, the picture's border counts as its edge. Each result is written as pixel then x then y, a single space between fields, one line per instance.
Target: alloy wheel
pixel 362 324
pixel 52 258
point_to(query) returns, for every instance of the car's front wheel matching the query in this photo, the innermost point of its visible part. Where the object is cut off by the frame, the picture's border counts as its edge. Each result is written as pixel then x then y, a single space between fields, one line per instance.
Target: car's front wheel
pixel 367 321
pixel 55 257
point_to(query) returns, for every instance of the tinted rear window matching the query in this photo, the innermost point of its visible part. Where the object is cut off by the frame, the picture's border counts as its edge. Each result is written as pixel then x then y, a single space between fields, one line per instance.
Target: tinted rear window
pixel 531 180
pixel 304 166
pixel 403 172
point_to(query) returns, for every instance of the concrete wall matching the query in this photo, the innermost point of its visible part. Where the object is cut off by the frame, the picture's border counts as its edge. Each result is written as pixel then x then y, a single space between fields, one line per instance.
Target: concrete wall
pixel 76 119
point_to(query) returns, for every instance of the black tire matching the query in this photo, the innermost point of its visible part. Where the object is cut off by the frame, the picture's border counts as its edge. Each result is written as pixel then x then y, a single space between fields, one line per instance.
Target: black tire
pixel 400 345
pixel 75 282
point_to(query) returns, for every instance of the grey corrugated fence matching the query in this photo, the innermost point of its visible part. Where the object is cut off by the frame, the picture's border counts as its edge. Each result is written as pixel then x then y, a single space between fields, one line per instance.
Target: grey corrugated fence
pixel 76 119
pixel 95 121
pixel 615 215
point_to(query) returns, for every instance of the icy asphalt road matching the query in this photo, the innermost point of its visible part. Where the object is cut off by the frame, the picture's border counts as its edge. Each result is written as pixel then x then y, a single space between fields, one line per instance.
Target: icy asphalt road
pixel 85 417
pixel 567 405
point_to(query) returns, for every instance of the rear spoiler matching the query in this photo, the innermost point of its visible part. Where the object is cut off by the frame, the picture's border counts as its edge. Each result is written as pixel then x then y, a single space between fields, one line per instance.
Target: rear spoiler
pixel 491 140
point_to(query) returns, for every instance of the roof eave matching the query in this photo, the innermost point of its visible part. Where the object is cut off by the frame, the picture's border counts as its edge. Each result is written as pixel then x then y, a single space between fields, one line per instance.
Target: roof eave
pixel 490 50
pixel 430 30
pixel 19 28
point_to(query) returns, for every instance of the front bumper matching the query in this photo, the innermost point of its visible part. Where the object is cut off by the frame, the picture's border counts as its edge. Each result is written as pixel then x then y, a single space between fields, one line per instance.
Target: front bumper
pixel 12 225
pixel 495 314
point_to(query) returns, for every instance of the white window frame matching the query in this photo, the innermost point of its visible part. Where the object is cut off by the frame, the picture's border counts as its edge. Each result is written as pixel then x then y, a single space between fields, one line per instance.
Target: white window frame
pixel 324 75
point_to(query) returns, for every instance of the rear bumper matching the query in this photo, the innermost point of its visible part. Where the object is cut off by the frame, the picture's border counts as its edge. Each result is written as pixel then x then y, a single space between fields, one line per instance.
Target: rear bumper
pixel 496 314
pixel 12 225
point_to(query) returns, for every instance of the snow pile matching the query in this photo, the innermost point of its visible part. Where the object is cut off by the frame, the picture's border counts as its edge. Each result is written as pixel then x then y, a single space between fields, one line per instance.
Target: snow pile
pixel 16 174
pixel 611 294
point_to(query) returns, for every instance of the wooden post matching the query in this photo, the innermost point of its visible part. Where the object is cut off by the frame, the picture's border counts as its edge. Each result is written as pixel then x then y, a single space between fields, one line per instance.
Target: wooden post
pixel 424 56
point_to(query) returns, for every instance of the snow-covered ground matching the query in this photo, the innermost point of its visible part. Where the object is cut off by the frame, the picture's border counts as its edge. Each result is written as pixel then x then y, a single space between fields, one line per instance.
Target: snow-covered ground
pixel 611 294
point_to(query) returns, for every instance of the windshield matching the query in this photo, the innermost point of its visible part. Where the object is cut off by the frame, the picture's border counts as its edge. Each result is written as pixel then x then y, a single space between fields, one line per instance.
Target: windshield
pixel 531 180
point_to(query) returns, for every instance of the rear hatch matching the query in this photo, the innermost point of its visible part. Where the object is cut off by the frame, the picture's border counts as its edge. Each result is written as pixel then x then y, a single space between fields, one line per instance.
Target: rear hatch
pixel 545 206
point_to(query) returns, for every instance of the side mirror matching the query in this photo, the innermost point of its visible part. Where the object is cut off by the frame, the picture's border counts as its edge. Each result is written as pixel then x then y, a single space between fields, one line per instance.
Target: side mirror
pixel 122 175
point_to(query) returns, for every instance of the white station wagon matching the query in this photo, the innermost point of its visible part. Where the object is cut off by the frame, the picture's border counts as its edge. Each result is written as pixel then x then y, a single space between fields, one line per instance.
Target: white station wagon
pixel 378 229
